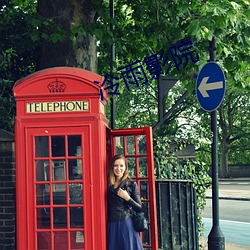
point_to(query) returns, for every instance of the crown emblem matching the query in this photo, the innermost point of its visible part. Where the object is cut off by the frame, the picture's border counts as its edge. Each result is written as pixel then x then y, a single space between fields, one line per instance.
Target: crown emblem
pixel 56 86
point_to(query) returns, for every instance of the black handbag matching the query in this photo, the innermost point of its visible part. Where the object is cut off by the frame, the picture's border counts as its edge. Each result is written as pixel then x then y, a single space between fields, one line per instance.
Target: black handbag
pixel 140 222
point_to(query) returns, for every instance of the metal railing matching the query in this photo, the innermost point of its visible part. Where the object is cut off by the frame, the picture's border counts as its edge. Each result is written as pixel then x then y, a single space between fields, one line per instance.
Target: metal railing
pixel 176 211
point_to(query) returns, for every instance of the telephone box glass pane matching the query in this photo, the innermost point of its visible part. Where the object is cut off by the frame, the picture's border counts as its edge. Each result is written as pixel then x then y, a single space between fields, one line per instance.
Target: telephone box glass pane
pixel 77 240
pixel 75 169
pixel 143 165
pixel 131 167
pixel 43 218
pixel 58 146
pixel 130 145
pixel 41 194
pixel 60 217
pixel 75 193
pixel 142 144
pixel 58 171
pixel 44 241
pixel 144 190
pixel 119 145
pixel 146 210
pixel 42 171
pixel 146 237
pixel 61 240
pixel 76 217
pixel 74 145
pixel 59 194
pixel 41 146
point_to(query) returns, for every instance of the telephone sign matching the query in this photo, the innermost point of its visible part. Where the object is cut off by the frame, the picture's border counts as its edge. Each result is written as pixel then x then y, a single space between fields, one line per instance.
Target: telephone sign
pixel 66 106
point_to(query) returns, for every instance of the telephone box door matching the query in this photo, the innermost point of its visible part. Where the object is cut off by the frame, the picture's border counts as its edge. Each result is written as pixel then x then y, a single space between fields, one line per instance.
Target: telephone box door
pixel 59 188
pixel 136 145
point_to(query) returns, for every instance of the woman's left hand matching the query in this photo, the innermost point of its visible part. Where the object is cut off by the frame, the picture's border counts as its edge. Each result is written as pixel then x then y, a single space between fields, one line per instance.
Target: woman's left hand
pixel 123 194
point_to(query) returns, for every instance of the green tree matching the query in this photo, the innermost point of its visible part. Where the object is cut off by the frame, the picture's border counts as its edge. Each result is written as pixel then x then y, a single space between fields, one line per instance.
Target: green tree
pixel 153 27
pixel 234 117
pixel 68 37
pixel 233 128
pixel 17 54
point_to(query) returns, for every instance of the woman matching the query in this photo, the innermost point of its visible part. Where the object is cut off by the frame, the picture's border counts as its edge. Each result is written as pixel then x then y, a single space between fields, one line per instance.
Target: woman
pixel 122 195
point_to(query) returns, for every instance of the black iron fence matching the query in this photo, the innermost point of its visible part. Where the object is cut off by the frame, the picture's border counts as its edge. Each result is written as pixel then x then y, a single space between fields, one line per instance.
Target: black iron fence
pixel 177 220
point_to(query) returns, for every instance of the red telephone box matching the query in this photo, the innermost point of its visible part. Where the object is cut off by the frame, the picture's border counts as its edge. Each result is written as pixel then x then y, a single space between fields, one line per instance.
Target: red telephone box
pixel 62 150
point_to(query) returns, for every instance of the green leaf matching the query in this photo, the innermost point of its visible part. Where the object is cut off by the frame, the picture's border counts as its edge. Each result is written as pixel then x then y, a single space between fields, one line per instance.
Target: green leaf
pixel 235 5
pixel 194 29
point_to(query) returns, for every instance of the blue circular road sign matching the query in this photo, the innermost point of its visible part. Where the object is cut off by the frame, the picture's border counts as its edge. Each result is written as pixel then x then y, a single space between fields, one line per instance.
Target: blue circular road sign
pixel 210 86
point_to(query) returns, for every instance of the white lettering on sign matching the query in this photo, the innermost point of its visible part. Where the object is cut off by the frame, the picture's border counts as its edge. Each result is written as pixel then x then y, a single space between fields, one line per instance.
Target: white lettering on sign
pixel 49 107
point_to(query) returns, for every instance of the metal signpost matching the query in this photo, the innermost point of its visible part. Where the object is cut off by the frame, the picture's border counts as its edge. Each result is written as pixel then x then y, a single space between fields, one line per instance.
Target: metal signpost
pixel 210 90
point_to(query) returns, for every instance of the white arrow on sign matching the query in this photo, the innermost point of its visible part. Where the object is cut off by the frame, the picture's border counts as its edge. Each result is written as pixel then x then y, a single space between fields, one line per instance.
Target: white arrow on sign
pixel 204 86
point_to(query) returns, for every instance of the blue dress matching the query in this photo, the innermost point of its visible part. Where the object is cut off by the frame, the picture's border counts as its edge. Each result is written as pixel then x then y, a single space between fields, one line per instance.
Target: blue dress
pixel 121 232
pixel 122 236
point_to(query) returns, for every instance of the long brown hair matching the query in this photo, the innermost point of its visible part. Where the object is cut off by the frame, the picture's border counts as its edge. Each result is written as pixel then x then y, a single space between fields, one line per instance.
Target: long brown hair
pixel 111 175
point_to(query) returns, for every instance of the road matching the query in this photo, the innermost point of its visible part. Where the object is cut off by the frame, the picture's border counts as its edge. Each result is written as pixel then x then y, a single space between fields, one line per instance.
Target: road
pixel 232 210
pixel 234 213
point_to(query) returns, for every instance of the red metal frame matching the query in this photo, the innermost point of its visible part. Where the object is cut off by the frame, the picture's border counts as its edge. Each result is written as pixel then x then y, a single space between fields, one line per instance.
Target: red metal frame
pixel 135 132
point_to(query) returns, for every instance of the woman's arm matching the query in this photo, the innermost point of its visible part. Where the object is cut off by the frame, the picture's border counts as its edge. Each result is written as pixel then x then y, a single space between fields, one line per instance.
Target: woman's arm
pixel 133 200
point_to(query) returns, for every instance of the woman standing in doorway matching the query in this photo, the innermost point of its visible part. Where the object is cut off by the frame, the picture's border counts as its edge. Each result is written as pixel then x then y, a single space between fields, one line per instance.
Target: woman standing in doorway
pixel 122 195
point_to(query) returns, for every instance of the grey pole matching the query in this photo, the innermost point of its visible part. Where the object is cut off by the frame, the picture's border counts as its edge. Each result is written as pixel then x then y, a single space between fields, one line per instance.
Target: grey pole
pixel 216 240
pixel 112 60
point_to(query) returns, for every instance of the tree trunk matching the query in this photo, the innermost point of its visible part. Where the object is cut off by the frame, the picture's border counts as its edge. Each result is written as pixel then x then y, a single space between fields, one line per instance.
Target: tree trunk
pixel 74 49
pixel 223 166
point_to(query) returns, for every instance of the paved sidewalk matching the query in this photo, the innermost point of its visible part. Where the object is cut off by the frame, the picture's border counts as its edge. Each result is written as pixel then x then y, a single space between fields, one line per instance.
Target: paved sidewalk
pixel 228 246
pixel 230 194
